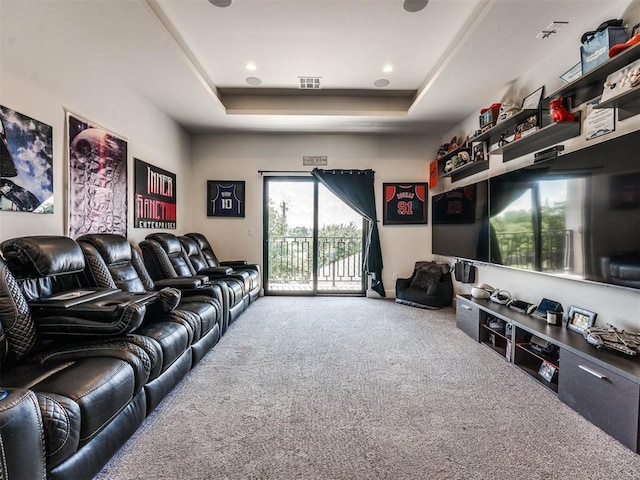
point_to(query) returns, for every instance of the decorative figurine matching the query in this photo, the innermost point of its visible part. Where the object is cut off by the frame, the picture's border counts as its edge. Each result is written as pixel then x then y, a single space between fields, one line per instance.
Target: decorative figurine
pixel 508 109
pixel 559 112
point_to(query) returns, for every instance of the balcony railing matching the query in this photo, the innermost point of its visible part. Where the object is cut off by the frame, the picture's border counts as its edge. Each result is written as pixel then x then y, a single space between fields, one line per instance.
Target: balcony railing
pixel 517 250
pixel 339 262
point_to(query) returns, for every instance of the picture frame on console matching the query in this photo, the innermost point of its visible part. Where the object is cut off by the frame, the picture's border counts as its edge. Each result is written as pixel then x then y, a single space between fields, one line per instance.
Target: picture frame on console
pixel 578 319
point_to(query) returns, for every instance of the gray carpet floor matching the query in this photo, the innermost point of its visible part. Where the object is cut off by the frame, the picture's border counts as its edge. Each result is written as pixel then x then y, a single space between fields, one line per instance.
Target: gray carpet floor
pixel 358 388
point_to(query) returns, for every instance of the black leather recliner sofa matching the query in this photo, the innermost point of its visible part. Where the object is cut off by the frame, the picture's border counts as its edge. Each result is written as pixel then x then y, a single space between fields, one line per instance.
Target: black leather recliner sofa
pixel 165 258
pixel 205 258
pixel 80 365
pixel 112 262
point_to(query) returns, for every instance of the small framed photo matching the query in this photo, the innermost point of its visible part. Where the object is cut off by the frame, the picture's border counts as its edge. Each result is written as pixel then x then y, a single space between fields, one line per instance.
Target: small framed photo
pixel 579 319
pixel 225 198
pixel 547 370
pixel 404 203
pixel 532 101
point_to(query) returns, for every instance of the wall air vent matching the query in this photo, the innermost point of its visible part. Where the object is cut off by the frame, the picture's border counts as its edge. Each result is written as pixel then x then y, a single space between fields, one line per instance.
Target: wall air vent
pixel 309 83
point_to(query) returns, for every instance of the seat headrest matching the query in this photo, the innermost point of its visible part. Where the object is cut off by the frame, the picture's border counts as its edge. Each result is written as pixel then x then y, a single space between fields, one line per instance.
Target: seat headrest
pixel 169 242
pixel 113 248
pixel 190 245
pixel 199 238
pixel 42 256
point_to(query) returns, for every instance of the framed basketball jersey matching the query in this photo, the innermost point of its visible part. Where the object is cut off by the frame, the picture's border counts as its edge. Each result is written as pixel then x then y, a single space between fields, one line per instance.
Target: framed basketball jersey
pixel 225 198
pixel 404 203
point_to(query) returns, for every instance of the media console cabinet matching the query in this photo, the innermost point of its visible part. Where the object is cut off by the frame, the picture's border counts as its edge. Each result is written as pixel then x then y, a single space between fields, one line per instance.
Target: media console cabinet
pixel 601 385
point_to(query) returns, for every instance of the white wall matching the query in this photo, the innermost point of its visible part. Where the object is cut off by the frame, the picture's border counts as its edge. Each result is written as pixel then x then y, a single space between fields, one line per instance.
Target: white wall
pixel 615 305
pixel 239 157
pixel 152 137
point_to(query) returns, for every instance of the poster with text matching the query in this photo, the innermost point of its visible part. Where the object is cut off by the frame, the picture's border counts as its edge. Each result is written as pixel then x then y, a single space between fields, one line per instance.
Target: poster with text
pixel 26 163
pixel 97 179
pixel 155 197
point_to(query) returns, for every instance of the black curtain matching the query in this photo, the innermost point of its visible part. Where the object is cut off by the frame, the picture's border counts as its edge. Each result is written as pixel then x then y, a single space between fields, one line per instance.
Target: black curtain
pixel 355 188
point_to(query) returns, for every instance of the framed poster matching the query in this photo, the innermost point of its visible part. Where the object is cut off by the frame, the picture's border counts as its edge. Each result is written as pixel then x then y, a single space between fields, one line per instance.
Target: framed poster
pixel 26 163
pixel 155 197
pixel 225 198
pixel 97 179
pixel 404 203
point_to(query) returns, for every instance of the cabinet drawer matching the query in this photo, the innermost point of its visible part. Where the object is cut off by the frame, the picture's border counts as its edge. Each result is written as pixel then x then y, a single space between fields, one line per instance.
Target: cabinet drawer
pixel 468 318
pixel 604 398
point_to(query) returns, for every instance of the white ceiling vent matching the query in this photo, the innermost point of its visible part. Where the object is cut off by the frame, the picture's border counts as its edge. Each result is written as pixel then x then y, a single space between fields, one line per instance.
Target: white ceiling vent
pixel 309 83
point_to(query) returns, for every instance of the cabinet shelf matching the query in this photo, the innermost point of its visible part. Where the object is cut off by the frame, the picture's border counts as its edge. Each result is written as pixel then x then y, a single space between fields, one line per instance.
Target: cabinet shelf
pixel 590 84
pixel 534 373
pixel 627 103
pixel 545 137
pixel 552 359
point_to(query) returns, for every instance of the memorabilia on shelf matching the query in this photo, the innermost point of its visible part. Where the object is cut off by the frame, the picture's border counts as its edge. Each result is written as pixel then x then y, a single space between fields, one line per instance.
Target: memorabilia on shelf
pixel 598 121
pixel 572 74
pixel 447 148
pixel 508 109
pixel 621 81
pixel 532 101
pixel 527 127
pixel 559 112
pixel 489 116
pixel 479 152
pixel 635 38
pixel 596 45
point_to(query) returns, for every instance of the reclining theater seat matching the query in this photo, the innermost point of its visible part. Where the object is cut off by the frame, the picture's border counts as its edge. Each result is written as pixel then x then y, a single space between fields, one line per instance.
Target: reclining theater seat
pixel 430 286
pixel 66 404
pixel 49 268
pixel 112 262
pixel 194 254
pixel 211 260
pixel 165 258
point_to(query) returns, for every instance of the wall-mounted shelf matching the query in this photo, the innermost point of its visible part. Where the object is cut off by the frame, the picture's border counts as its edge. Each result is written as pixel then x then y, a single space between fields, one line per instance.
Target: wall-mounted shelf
pixel 627 103
pixel 495 132
pixel 466 170
pixel 590 84
pixel 545 137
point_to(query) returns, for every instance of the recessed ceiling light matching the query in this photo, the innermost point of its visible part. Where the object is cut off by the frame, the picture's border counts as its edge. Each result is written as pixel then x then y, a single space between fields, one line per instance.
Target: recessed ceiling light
pixel 251 66
pixel 413 6
pixel 220 3
pixel 253 81
pixel 381 82
pixel 387 68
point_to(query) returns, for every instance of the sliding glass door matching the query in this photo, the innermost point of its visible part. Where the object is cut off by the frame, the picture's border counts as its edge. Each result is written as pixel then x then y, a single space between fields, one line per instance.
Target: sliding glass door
pixel 313 242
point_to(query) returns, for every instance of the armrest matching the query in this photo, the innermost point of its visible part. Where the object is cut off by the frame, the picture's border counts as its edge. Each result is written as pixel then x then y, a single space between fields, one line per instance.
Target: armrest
pixel 109 315
pixel 233 263
pixel 22 432
pixel 216 272
pixel 181 283
pixel 402 283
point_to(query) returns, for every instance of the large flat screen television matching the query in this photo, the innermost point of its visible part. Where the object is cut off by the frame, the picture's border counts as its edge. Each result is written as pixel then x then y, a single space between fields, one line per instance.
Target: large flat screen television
pixel 576 216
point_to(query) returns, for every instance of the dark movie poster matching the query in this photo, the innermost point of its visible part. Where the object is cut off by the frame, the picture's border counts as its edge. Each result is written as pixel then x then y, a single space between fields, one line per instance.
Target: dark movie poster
pixel 97 179
pixel 155 197
pixel 26 163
